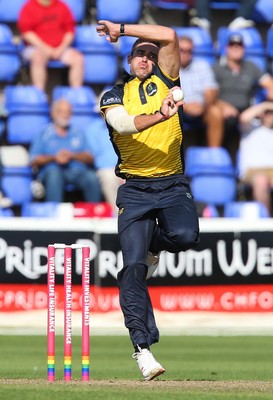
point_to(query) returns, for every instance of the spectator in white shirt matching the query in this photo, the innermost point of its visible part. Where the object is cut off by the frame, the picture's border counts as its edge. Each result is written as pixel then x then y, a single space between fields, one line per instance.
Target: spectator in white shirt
pixel 200 94
pixel 256 151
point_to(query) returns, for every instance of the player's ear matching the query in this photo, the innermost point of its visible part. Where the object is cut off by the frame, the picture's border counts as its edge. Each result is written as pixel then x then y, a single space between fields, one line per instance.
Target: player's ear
pixel 129 59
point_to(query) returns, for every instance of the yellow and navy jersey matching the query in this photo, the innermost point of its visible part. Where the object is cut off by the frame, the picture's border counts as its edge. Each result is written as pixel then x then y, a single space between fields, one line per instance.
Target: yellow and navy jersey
pixel 156 151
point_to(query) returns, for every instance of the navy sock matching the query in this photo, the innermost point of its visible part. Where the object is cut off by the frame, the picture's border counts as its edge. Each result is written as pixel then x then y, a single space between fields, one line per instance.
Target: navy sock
pixel 141 346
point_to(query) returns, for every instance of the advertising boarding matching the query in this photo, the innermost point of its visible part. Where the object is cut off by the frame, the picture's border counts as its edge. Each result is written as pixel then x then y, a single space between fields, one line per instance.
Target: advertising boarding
pixel 230 271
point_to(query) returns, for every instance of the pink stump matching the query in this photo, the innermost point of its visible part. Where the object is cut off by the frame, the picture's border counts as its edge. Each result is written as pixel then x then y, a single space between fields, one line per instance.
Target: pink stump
pixel 85 312
pixel 51 304
pixel 67 313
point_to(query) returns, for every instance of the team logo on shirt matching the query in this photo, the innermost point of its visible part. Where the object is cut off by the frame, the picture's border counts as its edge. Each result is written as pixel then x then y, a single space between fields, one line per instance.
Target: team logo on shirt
pixel 110 100
pixel 151 89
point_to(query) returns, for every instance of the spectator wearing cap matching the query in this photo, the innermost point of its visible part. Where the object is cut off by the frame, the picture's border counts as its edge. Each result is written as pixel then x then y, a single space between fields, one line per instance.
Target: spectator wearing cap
pixel 255 151
pixel 238 79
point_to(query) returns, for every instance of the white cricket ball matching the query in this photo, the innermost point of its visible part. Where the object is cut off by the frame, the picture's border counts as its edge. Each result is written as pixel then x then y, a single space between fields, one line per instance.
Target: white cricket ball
pixel 178 95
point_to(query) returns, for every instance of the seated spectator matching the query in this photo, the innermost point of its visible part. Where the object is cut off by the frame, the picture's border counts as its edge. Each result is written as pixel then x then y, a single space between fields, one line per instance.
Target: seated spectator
pixel 238 80
pixel 105 160
pixel 61 156
pixel 255 151
pixel 200 92
pixel 242 17
pixel 47 28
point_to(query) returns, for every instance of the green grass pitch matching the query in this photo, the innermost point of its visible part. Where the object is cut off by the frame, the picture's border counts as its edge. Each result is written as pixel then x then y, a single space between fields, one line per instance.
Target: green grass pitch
pixel 197 367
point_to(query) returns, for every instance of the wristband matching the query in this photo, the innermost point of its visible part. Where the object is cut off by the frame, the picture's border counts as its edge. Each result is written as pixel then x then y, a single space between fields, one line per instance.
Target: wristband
pixel 121 30
pixel 163 115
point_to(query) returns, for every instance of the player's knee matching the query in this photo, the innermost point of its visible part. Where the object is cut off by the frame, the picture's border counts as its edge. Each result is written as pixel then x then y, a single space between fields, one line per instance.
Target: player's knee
pixel 184 239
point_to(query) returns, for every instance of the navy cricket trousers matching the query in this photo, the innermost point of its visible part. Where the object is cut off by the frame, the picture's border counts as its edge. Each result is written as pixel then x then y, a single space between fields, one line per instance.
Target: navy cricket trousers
pixel 154 214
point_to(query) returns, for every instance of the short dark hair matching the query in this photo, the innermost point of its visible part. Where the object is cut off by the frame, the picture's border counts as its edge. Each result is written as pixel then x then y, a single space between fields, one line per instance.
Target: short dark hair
pixel 139 41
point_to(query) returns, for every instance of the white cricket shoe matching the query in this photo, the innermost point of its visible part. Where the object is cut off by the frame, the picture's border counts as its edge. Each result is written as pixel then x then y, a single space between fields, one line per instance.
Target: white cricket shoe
pixel 152 261
pixel 148 366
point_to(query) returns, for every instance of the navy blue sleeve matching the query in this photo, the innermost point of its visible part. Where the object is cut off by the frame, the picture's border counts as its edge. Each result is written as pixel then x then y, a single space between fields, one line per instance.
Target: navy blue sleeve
pixel 113 97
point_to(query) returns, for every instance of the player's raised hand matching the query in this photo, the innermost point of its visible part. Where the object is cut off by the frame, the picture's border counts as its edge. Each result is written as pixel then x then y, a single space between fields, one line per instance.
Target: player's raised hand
pixel 109 29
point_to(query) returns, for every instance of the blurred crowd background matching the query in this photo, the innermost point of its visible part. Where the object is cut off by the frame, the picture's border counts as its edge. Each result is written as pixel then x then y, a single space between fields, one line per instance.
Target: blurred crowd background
pixel 56 157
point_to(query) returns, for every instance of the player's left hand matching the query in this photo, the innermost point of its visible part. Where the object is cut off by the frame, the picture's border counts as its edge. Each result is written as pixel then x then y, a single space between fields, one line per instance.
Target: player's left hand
pixel 169 107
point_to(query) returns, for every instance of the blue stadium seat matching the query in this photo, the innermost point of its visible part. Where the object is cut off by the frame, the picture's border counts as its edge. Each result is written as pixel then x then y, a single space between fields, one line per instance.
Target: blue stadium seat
pixel 83 100
pixel 25 98
pixel 216 189
pixel 6 212
pixel 212 174
pixel 200 160
pixel 259 95
pixel 119 10
pixel 23 127
pixel 203 43
pixel 10 62
pixel 78 9
pixel 28 112
pixel 263 12
pixel 169 5
pixel 259 60
pixel 100 56
pixel 9 10
pixel 245 209
pixel 225 5
pixel 46 209
pixel 55 64
pixel 16 183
